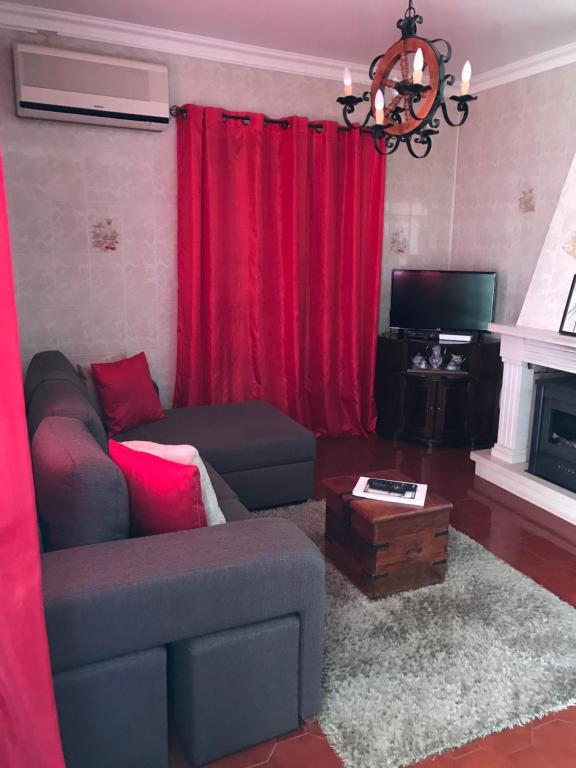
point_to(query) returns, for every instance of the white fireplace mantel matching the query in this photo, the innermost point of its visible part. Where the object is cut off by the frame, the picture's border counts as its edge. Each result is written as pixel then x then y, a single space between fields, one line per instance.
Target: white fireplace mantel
pixel 506 463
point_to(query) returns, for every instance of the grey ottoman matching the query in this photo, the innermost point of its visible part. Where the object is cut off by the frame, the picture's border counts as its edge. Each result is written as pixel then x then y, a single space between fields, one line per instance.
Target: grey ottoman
pixel 234 689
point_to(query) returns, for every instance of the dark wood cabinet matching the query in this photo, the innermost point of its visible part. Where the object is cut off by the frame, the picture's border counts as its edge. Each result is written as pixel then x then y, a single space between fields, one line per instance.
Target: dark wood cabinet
pixel 438 407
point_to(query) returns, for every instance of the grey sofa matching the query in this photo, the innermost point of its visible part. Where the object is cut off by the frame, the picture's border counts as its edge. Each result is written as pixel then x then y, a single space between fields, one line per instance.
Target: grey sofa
pixel 222 627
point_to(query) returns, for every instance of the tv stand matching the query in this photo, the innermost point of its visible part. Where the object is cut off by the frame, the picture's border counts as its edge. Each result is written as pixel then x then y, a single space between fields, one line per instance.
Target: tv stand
pixel 438 407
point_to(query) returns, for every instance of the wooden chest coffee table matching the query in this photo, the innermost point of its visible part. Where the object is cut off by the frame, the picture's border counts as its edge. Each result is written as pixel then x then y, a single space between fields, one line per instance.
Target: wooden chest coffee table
pixel 384 547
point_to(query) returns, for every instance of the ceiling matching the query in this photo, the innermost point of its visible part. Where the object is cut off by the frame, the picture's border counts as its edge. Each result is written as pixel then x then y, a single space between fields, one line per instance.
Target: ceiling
pixel 491 33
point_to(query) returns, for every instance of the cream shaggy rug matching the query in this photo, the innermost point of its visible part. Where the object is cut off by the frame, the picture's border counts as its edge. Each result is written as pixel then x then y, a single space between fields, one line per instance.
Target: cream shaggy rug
pixel 432 669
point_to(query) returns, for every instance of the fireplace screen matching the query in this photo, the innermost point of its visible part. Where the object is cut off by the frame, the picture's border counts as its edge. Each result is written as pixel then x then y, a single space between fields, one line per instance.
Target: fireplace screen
pixel 553 453
pixel 562 429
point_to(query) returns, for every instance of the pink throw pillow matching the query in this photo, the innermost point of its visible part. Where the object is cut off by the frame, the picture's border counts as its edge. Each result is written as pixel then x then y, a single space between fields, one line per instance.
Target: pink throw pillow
pixel 164 496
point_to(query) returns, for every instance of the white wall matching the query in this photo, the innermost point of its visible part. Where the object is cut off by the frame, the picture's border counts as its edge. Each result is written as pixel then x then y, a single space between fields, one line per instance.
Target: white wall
pixel 552 279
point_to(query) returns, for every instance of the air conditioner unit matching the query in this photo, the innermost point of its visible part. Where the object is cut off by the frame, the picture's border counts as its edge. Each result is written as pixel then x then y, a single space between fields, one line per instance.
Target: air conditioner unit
pixel 57 84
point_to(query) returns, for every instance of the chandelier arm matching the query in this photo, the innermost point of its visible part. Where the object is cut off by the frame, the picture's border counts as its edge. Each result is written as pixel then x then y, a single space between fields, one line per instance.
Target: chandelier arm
pixel 391 144
pixel 345 112
pixel 447 55
pixel 366 119
pixel 422 138
pixel 462 108
pixel 413 99
pixel 372 66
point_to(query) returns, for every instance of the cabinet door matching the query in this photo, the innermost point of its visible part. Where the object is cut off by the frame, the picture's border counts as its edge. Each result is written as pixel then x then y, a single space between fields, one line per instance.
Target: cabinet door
pixel 419 406
pixel 452 420
pixel 388 385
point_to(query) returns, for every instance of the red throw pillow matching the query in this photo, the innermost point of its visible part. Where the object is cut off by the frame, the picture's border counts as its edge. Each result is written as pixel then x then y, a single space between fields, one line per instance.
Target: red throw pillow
pixel 126 393
pixel 164 496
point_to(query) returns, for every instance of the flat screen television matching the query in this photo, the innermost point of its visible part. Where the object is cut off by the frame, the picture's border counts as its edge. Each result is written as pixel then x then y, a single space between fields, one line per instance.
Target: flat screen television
pixel 442 300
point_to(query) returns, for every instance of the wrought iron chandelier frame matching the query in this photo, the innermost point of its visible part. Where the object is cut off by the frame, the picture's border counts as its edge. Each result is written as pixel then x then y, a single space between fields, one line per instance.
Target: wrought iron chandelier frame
pixel 389 135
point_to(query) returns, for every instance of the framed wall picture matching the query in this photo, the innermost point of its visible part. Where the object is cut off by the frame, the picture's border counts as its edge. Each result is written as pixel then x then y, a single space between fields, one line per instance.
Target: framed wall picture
pixel 568 324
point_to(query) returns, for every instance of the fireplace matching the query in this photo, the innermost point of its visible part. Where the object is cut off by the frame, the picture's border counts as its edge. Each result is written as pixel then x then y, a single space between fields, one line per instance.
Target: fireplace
pixel 553 449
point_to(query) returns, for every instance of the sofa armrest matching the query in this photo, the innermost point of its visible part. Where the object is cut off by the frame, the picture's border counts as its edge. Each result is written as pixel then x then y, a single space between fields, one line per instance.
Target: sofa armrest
pixel 119 597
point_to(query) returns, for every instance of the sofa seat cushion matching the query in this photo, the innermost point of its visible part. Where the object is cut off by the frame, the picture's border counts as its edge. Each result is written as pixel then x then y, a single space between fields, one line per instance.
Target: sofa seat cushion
pixel 221 487
pixel 234 510
pixel 233 436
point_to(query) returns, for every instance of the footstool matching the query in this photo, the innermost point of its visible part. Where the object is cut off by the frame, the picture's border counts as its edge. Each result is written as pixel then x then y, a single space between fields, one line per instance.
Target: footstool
pixel 383 547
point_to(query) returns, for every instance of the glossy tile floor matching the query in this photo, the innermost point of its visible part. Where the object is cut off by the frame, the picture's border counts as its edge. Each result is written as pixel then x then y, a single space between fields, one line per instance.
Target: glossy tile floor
pixel 535 542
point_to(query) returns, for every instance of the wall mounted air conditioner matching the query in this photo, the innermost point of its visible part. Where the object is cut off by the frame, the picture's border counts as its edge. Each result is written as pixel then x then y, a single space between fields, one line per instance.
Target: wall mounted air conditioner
pixel 56 84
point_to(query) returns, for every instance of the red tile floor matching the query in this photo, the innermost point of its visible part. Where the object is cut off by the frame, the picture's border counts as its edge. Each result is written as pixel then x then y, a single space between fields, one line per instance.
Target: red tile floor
pixel 535 542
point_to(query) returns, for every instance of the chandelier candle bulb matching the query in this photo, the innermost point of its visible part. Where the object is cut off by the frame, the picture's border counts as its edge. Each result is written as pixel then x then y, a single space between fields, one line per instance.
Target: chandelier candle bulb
pixel 418 67
pixel 466 77
pixel 379 107
pixel 347 82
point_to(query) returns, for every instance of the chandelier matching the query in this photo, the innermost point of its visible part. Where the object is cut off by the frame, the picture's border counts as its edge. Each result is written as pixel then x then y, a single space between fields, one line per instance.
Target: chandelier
pixel 408 83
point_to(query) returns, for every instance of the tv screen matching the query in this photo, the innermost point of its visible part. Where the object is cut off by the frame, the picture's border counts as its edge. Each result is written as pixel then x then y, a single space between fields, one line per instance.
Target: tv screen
pixel 442 300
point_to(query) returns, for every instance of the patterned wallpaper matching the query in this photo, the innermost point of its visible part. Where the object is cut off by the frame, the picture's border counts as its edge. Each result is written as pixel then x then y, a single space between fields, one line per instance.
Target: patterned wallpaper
pixel 513 156
pixel 418 211
pixel 93 209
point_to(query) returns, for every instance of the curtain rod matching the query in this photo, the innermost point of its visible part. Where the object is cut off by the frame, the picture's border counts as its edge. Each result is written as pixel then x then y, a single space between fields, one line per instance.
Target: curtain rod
pixel 176 111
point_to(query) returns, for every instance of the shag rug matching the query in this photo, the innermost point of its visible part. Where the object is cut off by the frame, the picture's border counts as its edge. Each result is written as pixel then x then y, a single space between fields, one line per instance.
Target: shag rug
pixel 424 671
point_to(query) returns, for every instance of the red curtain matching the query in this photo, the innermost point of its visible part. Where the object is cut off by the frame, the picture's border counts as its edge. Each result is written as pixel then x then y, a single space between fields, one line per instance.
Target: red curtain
pixel 279 252
pixel 28 726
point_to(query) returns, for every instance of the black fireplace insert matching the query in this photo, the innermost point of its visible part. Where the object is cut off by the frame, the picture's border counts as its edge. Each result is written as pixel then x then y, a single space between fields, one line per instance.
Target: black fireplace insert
pixel 553 450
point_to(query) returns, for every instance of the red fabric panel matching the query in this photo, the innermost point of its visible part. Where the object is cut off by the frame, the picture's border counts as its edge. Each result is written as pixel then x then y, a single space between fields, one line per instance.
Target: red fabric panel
pixel 126 393
pixel 29 735
pixel 278 281
pixel 164 496
pixel 346 217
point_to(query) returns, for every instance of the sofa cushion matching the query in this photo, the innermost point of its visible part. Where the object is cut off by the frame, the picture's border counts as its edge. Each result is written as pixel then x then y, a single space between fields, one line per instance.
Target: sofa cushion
pixel 165 496
pixel 49 366
pixel 233 436
pixel 81 494
pixel 126 393
pixel 85 373
pixel 234 510
pixel 185 454
pixel 221 487
pixel 60 397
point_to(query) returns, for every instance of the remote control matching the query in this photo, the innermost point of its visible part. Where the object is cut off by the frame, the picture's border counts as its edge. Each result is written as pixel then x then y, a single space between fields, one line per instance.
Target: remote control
pixel 392 487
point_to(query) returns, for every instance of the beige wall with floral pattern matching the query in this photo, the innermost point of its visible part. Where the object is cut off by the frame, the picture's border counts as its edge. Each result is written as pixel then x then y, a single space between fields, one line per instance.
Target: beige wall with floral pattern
pixel 418 211
pixel 513 157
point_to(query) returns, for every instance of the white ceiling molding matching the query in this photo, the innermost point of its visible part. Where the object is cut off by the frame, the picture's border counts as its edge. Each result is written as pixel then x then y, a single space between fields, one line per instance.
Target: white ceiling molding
pixel 542 62
pixel 75 25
